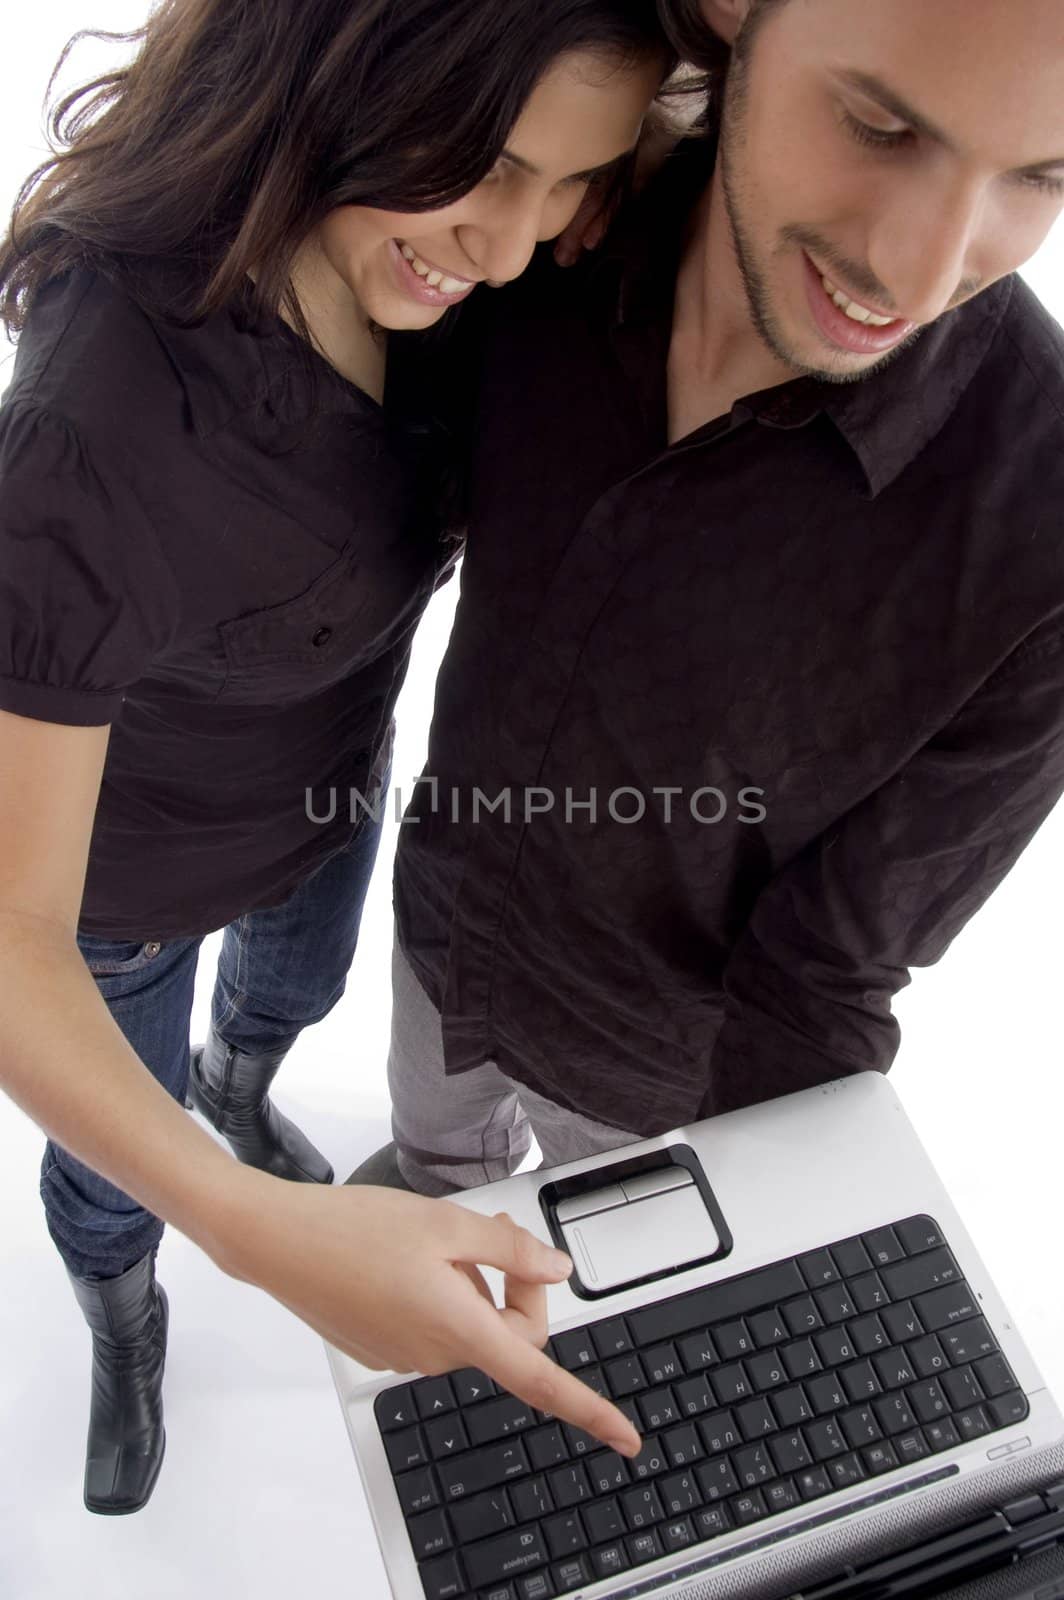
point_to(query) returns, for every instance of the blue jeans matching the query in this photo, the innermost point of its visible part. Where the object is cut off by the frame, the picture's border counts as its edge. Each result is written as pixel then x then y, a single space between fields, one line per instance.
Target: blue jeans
pixel 278 972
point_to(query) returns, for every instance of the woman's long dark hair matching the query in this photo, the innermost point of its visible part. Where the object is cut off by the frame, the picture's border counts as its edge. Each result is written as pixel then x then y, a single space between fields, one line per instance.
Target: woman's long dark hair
pixel 239 124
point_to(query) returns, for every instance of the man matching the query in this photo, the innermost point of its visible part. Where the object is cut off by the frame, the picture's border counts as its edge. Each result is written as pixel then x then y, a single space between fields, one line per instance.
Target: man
pixel 760 652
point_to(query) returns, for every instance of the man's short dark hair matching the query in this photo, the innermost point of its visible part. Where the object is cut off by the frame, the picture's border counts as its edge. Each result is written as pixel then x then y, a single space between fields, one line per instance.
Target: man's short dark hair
pixel 694 39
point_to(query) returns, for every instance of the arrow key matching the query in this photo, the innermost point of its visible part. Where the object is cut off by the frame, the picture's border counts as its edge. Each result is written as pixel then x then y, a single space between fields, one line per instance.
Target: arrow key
pixel 394 1408
pixel 433 1396
pixel 471 1385
pixel 446 1436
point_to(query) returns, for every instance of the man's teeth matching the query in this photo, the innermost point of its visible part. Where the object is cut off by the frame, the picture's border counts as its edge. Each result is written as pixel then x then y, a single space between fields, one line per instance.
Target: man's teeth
pixel 857 313
pixel 434 279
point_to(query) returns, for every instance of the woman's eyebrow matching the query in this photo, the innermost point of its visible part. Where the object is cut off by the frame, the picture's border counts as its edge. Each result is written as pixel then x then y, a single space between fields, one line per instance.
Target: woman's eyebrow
pixel 574 177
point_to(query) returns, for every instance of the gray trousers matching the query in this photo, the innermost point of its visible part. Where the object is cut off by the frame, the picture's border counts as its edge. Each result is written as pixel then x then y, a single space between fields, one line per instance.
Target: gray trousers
pixel 454 1133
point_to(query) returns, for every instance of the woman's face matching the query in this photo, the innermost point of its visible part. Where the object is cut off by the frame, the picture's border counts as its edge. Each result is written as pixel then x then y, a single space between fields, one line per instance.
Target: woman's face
pixel 405 269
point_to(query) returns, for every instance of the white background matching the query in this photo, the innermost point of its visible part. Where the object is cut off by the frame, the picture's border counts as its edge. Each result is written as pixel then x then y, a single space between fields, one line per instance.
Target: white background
pixel 259 1493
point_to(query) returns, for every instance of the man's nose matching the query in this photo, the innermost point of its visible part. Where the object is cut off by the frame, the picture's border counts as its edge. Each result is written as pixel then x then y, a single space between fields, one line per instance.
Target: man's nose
pixel 924 249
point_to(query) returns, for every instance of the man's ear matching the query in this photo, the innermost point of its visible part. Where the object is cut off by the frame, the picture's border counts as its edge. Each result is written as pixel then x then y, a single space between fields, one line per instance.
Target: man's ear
pixel 725 17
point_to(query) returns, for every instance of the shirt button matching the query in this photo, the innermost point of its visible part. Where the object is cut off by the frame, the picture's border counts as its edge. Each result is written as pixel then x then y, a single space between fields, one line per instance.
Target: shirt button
pixel 322 636
pixel 151 950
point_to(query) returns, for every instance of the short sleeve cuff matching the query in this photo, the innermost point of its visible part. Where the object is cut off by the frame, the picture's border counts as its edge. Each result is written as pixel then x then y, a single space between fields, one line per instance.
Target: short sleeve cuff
pixel 79 708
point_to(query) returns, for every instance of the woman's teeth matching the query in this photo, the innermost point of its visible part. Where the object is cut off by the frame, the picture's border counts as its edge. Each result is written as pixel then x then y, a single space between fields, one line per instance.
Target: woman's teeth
pixel 857 313
pixel 434 279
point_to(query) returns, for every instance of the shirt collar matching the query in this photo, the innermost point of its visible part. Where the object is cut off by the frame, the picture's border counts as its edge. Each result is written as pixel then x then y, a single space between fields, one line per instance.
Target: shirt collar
pixel 888 418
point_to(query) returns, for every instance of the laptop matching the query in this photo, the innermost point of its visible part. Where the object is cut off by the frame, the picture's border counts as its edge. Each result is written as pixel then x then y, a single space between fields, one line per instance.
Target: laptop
pixel 835 1402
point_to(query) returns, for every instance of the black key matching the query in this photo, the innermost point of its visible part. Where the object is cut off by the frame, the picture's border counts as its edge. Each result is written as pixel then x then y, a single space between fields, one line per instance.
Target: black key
pixel 417 1491
pixel 471 1385
pixel 894 1370
pixel 968 1342
pixel 682 1446
pixel 836 1304
pixel 883 1246
pixel 972 1424
pixel 610 1559
pixel 851 1258
pixel 860 1426
pixel 575 1349
pixel 720 1432
pixel 580 1443
pixel 594 1378
pixel 642 1506
pixel 916 1276
pixel 869 1292
pixel 604 1520
pixel 572 1573
pixel 446 1436
pixel 432 1396
pixel 813 1482
pixel 712 1522
pixel 679 1493
pixel 731 1383
pixel 944 1307
pixel 482 1469
pixel 406 1449
pixel 755 1420
pixel 625 1376
pixel 792 1406
pixel 894 1414
pixel 845 1471
pixel 995 1375
pixel 825 1440
pixel 441 1579
pixel 569 1486
pixel 716 1480
pixel 482 1515
pixel 546 1447
pixel 801 1358
pixel 768 1328
pixel 534 1586
pixel 719 1302
pixel 748 1508
pixel 694 1395
pixel 644 1547
pixel 910 1446
pixel 650 1460
pixel 677 1535
pixel 790 1451
pixel 928 1401
pixel 394 1409
pixel 530 1499
pixel 611 1337
pixel 733 1340
pixel 859 1381
pixel 662 1364
pixel 902 1323
pixel 928 1357
pixel 941 1435
pixel 607 1472
pixel 565 1535
pixel 505 1556
pixel 698 1351
pixel 1010 1408
pixel 835 1347
pixel 802 1316
pixel 781 1496
pixel 880 1458
pixel 961 1387
pixel 818 1268
pixel 753 1466
pixel 869 1334
pixel 659 1408
pixel 918 1233
pixel 829 1393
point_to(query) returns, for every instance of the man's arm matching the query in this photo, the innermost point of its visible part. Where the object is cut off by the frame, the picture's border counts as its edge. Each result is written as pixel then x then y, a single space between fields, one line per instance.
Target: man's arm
pixel 831 939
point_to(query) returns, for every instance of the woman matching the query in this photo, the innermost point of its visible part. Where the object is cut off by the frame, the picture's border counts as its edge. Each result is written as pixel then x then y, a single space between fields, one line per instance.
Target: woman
pixel 214 555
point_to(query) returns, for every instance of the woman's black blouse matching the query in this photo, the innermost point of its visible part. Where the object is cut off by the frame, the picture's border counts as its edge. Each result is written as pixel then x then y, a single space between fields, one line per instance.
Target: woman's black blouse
pixel 214 543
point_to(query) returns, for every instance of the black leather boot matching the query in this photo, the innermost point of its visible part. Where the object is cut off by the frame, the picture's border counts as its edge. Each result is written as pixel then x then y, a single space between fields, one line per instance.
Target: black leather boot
pixel 128 1316
pixel 231 1089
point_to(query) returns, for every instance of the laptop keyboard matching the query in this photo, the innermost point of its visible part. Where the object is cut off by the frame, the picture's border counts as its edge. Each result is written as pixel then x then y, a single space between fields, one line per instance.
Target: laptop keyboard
pixel 755 1396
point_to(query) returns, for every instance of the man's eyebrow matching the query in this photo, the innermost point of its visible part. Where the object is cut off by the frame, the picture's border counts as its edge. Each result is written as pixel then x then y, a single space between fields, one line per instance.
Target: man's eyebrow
pixel 574 177
pixel 885 96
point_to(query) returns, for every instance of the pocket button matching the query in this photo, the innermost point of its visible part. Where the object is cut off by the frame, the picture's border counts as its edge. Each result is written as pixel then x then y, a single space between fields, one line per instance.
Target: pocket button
pixel 152 950
pixel 322 636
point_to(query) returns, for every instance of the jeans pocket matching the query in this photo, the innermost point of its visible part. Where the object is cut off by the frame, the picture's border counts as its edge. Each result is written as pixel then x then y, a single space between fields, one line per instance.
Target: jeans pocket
pixel 113 958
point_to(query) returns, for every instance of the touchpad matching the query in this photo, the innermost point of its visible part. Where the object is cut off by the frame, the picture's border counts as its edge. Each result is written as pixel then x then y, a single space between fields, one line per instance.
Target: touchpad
pixel 653 1223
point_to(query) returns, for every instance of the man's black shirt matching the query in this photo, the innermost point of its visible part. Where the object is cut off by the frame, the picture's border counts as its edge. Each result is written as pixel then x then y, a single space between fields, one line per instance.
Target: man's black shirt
pixel 849 598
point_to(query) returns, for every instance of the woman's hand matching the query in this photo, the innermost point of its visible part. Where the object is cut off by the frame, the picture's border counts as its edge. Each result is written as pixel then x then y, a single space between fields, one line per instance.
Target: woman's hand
pixel 392 1280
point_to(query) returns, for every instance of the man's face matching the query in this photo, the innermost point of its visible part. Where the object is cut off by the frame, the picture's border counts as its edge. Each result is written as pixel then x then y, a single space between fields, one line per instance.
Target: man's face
pixel 908 152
